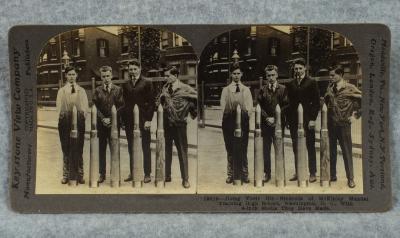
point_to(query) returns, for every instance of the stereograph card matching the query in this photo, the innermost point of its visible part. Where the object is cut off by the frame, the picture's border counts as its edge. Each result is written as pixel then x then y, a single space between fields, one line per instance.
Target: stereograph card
pixel 200 118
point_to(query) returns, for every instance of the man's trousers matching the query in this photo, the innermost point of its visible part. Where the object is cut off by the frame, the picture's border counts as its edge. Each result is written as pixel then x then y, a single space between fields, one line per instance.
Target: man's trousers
pixel 64 130
pixel 146 140
pixel 310 143
pixel 178 135
pixel 104 134
pixel 342 134
pixel 228 129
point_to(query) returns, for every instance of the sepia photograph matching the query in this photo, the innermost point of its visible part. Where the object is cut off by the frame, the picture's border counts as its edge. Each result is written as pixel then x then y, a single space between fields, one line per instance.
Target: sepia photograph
pixel 200 118
pixel 116 112
pixel 276 109
pixel 280 110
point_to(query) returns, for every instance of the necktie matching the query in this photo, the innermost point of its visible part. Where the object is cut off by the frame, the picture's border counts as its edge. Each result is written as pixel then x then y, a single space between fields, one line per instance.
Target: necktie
pixel 335 87
pixel 107 89
pixel 134 80
pixel 170 90
pixel 72 88
pixel 272 88
pixel 237 88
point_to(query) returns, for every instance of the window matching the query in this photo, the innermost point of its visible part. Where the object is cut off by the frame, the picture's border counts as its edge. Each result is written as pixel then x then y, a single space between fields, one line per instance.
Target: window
pixel 44 57
pixel 185 42
pixel 125 74
pixel 124 44
pixel 102 48
pixel 178 40
pixel 336 39
pixel 215 56
pixel 77 47
pixel 191 70
pixel 164 39
pixel 249 47
pixel 224 39
pixel 53 52
pixel 273 46
pixel 81 33
pixel 253 31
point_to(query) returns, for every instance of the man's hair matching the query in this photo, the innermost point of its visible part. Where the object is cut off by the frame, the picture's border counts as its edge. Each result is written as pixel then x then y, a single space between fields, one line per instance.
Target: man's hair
pixel 337 69
pixel 172 69
pixel 300 61
pixel 134 62
pixel 105 68
pixel 271 67
pixel 70 68
pixel 236 66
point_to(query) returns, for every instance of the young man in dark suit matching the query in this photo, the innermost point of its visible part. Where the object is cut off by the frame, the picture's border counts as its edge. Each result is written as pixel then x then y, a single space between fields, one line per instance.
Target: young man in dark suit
pixel 304 90
pixel 139 91
pixel 104 97
pixel 269 97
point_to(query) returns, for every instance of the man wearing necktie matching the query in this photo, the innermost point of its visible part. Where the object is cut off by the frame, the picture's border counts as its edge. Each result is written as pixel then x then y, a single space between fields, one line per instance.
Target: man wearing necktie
pixel 138 91
pixel 269 97
pixel 68 96
pixel 344 103
pixel 104 97
pixel 178 101
pixel 304 90
pixel 232 95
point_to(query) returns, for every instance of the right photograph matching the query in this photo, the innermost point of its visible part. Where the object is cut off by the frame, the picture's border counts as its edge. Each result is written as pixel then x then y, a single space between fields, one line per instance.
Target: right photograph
pixel 280 112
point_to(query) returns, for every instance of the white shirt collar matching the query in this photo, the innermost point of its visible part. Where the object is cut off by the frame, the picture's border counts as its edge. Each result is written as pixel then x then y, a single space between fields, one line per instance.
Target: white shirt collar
pixel 70 85
pixel 232 86
pixel 273 86
pixel 109 87
pixel 135 78
pixel 301 79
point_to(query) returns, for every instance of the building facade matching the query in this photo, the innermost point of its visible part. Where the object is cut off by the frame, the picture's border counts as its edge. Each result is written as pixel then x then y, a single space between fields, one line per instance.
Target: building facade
pixel 87 49
pixel 90 48
pixel 253 47
pixel 168 48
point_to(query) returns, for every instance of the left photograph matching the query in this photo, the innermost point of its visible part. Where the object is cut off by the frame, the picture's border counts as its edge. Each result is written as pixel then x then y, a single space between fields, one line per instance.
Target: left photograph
pixel 117 112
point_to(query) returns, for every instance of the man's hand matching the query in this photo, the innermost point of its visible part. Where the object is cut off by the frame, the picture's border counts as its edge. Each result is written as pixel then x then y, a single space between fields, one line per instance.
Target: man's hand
pixel 147 125
pixel 106 122
pixel 270 121
pixel 311 125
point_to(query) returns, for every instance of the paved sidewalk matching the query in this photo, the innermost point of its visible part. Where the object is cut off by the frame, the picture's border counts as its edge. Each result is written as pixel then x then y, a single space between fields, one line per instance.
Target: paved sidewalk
pixel 213 117
pixel 49 163
pixel 212 171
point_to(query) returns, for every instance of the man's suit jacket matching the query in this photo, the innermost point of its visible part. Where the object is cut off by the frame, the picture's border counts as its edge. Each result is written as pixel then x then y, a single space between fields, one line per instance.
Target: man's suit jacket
pixel 105 100
pixel 307 93
pixel 268 100
pixel 140 94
